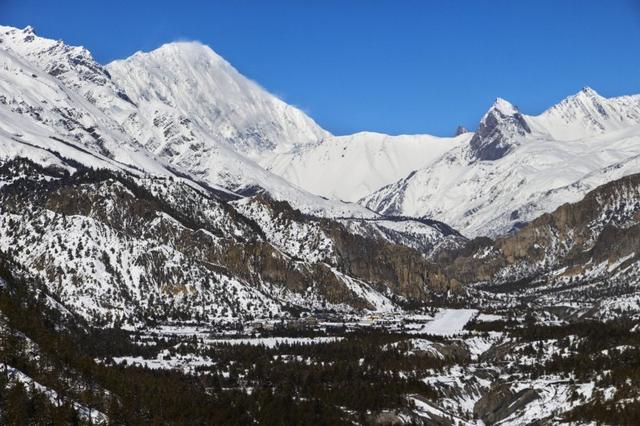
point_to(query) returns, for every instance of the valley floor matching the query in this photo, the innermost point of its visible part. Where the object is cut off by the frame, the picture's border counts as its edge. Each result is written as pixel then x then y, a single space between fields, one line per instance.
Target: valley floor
pixel 514 354
pixel 446 366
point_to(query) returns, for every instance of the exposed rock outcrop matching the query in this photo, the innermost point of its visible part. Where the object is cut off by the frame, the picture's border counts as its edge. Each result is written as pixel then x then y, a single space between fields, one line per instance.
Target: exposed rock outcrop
pixel 501 402
pixel 497 131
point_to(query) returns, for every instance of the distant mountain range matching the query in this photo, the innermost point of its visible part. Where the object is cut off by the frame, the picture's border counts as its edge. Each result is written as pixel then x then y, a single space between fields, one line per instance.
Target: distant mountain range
pixel 169 186
pixel 516 167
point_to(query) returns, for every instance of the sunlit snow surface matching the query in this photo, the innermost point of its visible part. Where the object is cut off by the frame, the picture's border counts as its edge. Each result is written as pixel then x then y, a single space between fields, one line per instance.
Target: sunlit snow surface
pixel 180 106
pixel 354 166
pixel 447 322
pixel 572 148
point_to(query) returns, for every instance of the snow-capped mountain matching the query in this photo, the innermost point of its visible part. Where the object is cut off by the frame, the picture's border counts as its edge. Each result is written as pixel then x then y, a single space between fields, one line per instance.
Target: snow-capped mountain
pixel 197 113
pixel 517 166
pixel 190 81
pixel 74 66
pixel 130 207
pixel 58 96
pixel 164 212
pixel 499 132
pixel 586 114
pixel 43 116
pixel 183 109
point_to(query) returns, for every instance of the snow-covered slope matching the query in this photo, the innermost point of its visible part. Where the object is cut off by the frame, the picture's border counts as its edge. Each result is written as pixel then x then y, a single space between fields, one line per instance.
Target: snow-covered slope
pixel 517 167
pixel 198 113
pixel 185 79
pixel 512 169
pixel 114 247
pixel 41 117
pixel 57 98
pixel 192 80
pixel 351 167
pixel 73 66
pixel 586 114
pixel 161 196
pixel 583 254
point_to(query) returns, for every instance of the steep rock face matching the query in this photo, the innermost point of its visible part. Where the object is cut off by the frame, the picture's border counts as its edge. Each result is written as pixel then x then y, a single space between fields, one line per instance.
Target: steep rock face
pixel 581 226
pixel 595 238
pixel 367 257
pixel 460 130
pixel 117 249
pixel 498 132
pixel 501 402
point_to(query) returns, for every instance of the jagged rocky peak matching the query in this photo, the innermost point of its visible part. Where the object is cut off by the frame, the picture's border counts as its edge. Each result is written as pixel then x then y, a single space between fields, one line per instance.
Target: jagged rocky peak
pixel 53 56
pixel 11 31
pixel 501 106
pixel 461 130
pixel 498 131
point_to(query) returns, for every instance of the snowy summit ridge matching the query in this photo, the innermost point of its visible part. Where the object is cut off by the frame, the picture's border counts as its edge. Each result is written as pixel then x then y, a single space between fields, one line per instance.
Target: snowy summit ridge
pixel 519 166
pixel 194 80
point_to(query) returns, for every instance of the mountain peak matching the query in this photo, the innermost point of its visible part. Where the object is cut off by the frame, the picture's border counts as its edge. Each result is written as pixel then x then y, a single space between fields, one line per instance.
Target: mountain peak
pixel 191 50
pixel 585 99
pixel 588 92
pixel 499 130
pixel 189 79
pixel 588 113
pixel 186 46
pixel 504 107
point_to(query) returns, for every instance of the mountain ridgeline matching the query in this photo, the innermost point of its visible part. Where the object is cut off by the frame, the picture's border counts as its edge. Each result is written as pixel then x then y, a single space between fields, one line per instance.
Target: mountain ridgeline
pixel 593 240
pixel 117 249
pixel 169 186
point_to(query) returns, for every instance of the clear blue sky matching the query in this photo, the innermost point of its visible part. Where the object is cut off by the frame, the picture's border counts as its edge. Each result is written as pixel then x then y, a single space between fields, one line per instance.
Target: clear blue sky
pixel 390 66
